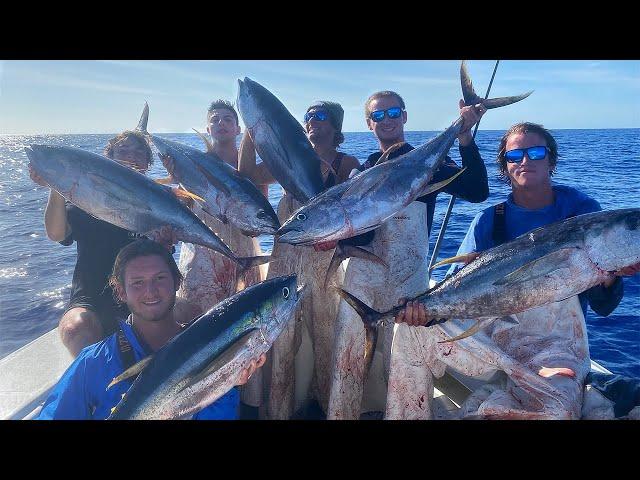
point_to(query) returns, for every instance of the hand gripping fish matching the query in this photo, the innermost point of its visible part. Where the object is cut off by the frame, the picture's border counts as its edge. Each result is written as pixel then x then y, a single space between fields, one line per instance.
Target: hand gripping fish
pixel 205 360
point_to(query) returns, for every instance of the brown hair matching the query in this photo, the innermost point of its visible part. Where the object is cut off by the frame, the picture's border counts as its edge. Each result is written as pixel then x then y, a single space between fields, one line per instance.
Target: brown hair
pixel 524 128
pixel 140 248
pixel 383 93
pixel 217 104
pixel 108 150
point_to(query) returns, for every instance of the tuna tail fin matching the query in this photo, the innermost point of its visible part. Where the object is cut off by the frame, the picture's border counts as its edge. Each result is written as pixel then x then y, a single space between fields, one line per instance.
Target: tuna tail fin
pixel 246 263
pixel 471 98
pixel 369 316
pixel 343 252
pixel 144 118
pixel 370 340
pixel 370 319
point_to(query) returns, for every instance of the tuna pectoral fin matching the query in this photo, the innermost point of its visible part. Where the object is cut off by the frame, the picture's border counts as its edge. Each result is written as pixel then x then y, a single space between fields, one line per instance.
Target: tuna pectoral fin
pixel 224 358
pixel 246 263
pixel 343 252
pixel 213 180
pixel 368 315
pixel 540 267
pixel 385 156
pixel 475 328
pixel 471 98
pixel 434 187
pixel 466 258
pixel 130 372
pixel 186 195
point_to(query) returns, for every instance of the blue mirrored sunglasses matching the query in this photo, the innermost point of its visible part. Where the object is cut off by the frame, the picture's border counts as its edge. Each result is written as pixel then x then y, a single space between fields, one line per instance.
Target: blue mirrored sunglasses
pixel 534 153
pixel 318 115
pixel 378 115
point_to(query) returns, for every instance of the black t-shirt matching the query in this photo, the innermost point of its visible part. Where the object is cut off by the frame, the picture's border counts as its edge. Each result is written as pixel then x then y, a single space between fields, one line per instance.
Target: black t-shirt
pixel 472 185
pixel 98 244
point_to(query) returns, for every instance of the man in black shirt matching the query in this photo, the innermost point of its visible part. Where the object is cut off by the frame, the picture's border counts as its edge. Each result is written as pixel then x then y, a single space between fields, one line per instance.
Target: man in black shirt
pixel 92 313
pixel 403 243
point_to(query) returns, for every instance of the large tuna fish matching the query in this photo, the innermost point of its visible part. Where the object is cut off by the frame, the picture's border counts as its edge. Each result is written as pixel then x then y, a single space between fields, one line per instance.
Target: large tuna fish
pixel 366 200
pixel 116 194
pixel 205 361
pixel 229 196
pixel 548 264
pixel 280 141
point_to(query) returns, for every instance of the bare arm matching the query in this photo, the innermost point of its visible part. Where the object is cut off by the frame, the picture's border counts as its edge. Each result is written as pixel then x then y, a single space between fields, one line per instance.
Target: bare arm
pixel 257 173
pixel 348 163
pixel 55 214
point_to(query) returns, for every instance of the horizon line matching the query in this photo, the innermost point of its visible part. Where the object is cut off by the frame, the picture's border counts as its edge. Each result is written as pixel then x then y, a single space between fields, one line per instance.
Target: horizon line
pixel 356 131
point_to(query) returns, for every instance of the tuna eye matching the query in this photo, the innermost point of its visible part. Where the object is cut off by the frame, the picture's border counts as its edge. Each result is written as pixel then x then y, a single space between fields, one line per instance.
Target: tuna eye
pixel 285 292
pixel 261 214
pixel 301 217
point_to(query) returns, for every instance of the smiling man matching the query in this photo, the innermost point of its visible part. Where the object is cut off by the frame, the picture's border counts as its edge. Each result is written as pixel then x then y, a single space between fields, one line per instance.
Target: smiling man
pixel 145 277
pixel 553 335
pixel 403 243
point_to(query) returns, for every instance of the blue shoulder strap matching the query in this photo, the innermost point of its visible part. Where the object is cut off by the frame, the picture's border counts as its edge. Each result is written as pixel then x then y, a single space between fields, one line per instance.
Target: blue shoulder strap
pixel 126 350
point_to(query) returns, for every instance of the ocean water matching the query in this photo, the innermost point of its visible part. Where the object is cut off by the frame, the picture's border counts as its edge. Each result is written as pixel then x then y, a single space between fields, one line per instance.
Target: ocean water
pixel 36 273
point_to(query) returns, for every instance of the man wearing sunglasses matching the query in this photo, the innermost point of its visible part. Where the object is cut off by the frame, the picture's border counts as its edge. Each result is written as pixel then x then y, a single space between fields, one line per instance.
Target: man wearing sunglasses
pixel 551 335
pixel 92 313
pixel 307 371
pixel 403 243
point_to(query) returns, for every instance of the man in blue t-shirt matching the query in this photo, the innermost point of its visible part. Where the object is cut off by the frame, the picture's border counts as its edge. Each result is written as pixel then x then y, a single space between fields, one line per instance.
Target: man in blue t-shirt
pixel 527 159
pixel 145 277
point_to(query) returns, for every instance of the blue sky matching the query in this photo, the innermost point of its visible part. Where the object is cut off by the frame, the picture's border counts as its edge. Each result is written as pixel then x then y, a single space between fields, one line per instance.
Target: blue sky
pixel 107 96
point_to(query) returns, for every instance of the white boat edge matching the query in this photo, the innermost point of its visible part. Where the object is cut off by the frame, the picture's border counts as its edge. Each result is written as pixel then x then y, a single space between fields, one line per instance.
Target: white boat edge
pixel 28 375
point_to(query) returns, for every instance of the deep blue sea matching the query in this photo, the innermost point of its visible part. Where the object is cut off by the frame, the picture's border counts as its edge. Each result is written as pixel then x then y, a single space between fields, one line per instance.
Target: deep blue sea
pixel 35 273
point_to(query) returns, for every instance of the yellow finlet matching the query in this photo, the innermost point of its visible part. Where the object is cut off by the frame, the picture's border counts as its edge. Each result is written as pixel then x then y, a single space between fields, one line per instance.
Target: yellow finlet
pixel 465 258
pixel 130 372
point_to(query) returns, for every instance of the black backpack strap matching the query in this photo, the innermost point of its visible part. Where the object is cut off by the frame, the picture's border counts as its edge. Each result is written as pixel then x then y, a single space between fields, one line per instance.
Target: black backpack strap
pixel 499 234
pixel 126 350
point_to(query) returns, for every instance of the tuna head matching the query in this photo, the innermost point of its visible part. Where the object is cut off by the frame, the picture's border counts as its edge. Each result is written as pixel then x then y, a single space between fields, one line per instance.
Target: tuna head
pixel 55 165
pixel 280 307
pixel 321 220
pixel 613 239
pixel 254 218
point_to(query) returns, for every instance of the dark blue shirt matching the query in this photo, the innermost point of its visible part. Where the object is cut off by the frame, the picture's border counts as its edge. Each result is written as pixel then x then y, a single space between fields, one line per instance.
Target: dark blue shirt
pixel 81 392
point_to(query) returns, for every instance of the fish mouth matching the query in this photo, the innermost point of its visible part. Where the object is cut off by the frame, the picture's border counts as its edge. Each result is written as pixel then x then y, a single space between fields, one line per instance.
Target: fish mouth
pixel 289 235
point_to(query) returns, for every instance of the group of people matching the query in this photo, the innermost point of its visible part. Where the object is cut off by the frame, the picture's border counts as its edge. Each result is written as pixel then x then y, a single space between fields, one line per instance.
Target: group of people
pixel 129 297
